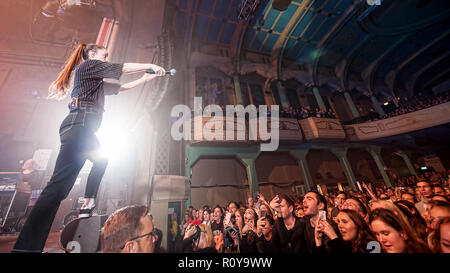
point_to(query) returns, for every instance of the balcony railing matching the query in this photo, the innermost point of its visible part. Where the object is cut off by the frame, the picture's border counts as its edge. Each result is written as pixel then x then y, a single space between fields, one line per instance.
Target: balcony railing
pixel 242 131
pixel 322 129
pixel 316 129
pixel 426 118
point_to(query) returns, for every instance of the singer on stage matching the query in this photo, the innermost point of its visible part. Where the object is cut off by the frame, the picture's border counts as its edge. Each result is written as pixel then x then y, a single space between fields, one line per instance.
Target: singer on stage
pixel 82 77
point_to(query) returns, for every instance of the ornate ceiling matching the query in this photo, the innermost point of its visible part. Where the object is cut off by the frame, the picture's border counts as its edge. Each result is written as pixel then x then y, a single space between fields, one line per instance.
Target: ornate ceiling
pixel 395 49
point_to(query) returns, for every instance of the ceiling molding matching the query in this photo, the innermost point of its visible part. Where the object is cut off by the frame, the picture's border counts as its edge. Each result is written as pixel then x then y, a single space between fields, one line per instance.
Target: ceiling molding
pixel 368 75
pixel 369 26
pixel 411 83
pixel 326 40
pixel 192 18
pixel 439 75
pixel 392 76
pixel 280 45
pixel 237 41
pixel 343 67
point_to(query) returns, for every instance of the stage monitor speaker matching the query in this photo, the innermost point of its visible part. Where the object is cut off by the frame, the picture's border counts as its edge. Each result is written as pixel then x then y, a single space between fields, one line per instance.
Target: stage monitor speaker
pixel 281 5
pixel 82 235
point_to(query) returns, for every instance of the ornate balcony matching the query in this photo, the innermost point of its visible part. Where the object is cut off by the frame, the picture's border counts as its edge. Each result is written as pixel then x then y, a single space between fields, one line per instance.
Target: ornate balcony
pixel 426 118
pixel 316 129
pixel 322 129
pixel 244 131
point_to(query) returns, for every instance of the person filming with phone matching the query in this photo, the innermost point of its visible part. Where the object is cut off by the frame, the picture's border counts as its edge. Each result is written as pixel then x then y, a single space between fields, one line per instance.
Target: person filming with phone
pixel 248 235
pixel 315 221
pixel 198 238
pixel 230 233
pixel 264 229
pixel 288 230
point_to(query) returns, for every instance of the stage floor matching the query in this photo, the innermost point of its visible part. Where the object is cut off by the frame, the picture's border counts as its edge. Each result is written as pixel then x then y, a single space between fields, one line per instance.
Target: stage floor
pixel 52 246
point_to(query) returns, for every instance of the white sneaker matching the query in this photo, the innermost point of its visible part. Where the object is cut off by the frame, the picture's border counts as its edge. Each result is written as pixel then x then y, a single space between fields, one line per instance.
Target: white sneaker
pixel 86 211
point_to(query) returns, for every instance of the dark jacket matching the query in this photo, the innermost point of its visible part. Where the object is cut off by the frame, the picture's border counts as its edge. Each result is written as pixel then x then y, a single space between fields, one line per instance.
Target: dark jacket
pixel 247 244
pixel 264 246
pixel 289 241
pixel 310 237
pixel 338 246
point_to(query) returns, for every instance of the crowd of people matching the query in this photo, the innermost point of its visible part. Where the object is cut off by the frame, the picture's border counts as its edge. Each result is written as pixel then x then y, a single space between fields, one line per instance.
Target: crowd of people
pixel 404 106
pixel 306 112
pixel 407 106
pixel 292 112
pixel 413 217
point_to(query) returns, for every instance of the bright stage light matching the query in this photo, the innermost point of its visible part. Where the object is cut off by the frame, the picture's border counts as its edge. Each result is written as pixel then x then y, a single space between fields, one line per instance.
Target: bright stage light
pixel 115 143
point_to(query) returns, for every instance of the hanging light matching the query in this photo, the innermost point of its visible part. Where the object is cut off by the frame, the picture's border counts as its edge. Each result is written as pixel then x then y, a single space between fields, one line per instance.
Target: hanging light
pixel 52 8
pixel 55 8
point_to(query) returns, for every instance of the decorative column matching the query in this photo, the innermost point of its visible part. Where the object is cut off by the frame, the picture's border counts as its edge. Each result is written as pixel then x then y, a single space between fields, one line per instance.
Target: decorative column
pixel 300 156
pixel 407 162
pixel 377 106
pixel 352 106
pixel 237 89
pixel 188 171
pixel 249 162
pixel 319 98
pixel 192 155
pixel 341 154
pixel 376 154
pixel 282 94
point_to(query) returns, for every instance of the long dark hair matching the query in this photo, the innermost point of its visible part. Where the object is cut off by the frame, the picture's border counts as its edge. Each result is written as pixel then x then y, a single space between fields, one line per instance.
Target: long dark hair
pixel 60 88
pixel 414 244
pixel 241 212
pixel 363 235
pixel 436 235
pixel 415 219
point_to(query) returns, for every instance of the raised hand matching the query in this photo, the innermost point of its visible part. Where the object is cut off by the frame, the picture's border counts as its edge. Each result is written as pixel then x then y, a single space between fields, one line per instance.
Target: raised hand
pixel 250 202
pixel 245 228
pixel 234 235
pixel 274 203
pixel 159 71
pixel 260 197
pixel 260 224
pixel 226 220
pixel 327 229
pixel 190 230
pixel 318 233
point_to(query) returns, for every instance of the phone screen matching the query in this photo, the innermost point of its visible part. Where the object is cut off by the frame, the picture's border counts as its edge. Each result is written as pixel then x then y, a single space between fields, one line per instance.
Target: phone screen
pixel 227 218
pixel 263 213
pixel 323 215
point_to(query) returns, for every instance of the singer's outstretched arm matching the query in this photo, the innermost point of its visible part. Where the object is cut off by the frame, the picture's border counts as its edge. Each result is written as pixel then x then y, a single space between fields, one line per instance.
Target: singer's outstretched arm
pixel 145 78
pixel 139 67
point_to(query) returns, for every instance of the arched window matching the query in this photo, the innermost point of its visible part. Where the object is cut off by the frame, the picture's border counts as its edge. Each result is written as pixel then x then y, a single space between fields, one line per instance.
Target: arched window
pixel 252 90
pixel 211 85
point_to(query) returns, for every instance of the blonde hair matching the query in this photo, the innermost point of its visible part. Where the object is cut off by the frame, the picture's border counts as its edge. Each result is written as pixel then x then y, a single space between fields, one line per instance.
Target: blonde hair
pixel 209 238
pixel 392 207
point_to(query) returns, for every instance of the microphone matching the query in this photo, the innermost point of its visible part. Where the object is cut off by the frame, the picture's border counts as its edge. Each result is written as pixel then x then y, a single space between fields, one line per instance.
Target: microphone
pixel 170 72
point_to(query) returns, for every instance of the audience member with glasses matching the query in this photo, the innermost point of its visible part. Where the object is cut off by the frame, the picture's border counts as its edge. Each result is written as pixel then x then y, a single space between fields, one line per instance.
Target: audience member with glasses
pixel 129 230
